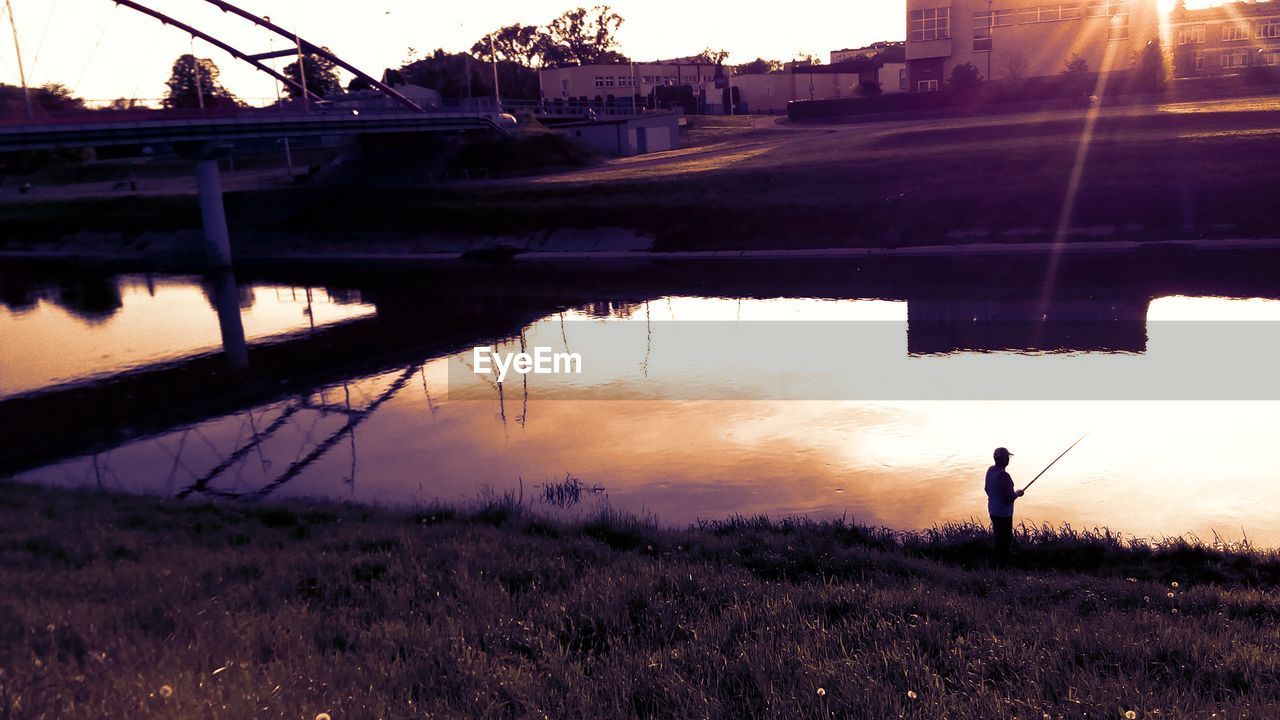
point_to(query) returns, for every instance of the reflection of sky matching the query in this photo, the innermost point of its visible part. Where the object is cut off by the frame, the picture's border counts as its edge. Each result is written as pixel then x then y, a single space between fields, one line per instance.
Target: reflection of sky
pixel 1148 468
pixel 46 345
pixel 690 349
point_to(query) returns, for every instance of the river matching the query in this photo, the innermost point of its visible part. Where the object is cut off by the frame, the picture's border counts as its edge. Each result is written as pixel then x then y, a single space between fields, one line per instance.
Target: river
pixel 874 397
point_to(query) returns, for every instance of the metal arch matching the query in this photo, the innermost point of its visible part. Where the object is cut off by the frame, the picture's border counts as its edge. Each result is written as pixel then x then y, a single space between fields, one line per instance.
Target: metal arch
pixel 309 47
pixel 217 43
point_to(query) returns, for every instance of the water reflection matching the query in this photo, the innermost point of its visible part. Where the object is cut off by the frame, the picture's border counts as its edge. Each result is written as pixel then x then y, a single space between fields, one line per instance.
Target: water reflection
pixel 63 328
pixel 227 299
pixel 371 412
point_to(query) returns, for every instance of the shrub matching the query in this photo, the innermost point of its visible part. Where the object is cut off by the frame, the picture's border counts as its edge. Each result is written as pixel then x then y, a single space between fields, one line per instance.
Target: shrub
pixel 965 79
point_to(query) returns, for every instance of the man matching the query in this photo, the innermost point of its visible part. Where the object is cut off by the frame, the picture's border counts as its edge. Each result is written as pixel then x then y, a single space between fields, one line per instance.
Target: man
pixel 1000 498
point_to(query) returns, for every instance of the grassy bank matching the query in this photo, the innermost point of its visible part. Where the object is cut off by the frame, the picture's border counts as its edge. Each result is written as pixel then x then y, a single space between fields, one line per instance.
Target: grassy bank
pixel 1153 176
pixel 117 606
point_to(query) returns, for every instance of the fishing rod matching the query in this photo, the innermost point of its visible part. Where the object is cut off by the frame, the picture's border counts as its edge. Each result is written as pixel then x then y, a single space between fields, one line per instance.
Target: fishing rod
pixel 1055 460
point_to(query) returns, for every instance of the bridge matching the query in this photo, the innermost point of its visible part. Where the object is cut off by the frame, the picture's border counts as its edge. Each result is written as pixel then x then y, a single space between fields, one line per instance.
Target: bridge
pixel 88 130
pixel 203 134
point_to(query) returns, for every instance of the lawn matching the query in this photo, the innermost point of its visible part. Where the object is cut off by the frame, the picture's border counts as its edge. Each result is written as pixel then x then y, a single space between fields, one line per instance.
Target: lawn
pixel 118 606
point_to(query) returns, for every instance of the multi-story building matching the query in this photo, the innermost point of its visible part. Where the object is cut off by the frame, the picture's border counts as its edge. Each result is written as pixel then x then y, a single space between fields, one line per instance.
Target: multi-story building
pixel 624 81
pixel 1226 39
pixel 1015 39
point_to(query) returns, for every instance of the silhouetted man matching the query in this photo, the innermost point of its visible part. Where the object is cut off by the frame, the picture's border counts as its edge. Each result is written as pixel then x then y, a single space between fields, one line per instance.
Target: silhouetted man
pixel 1000 498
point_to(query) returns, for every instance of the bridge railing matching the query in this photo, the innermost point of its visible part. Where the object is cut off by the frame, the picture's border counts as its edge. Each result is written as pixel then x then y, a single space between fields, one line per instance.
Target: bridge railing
pixel 292 111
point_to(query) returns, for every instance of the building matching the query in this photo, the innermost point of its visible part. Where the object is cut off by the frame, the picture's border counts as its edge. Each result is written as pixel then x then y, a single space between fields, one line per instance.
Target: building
pixel 619 83
pixel 1017 39
pixel 839 56
pixel 635 135
pixel 770 93
pixel 1224 40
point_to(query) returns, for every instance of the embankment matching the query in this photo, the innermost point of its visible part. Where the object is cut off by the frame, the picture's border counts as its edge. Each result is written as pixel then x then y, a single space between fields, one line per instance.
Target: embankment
pixel 118 606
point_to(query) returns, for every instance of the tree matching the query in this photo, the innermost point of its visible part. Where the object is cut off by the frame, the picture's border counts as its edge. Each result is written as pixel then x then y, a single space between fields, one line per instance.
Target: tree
pixel 1016 68
pixel 1151 67
pixel 759 66
pixel 582 37
pixel 193 83
pixel 965 78
pixel 514 43
pixel 56 97
pixel 321 76
pixel 1075 76
pixel 459 75
pixel 712 57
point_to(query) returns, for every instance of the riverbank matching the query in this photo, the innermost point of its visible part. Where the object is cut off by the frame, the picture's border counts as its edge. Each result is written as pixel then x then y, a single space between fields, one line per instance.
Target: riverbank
pixel 137 607
pixel 1146 174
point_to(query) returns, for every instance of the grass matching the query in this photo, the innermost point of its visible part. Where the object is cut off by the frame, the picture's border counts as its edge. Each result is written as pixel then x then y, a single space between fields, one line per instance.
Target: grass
pixel 1153 176
pixel 118 606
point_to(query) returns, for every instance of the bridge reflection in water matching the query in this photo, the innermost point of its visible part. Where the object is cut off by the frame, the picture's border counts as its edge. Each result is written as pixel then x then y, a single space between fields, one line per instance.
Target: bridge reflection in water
pixel 306 406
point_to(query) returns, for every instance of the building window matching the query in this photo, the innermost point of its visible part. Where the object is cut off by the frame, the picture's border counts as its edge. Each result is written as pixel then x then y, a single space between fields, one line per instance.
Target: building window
pixel 927 86
pixel 983 23
pixel 1047 13
pixel 1119 27
pixel 1107 8
pixel 599 81
pixel 930 24
pixel 1232 33
pixel 1197 61
pixel 902 79
pixel 1269 57
pixel 1235 59
pixel 1191 35
pixel 1269 28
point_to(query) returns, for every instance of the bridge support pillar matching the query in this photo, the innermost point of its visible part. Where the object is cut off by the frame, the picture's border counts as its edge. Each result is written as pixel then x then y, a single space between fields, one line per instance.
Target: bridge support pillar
pixel 209 187
pixel 226 302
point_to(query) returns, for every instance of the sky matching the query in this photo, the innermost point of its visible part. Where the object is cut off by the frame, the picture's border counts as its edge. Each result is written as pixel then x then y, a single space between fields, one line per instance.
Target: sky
pixel 102 51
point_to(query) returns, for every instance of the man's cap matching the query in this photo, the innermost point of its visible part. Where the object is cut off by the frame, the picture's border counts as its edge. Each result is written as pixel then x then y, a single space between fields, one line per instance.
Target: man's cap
pixel 1002 452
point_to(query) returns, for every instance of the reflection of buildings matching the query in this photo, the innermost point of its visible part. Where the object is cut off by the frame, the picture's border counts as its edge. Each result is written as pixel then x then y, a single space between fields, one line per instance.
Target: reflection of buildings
pixel 1016 39
pixel 1017 325
pixel 1225 40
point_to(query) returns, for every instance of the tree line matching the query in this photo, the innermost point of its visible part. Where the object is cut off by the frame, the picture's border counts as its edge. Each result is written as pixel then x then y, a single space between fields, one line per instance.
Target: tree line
pixel 580 36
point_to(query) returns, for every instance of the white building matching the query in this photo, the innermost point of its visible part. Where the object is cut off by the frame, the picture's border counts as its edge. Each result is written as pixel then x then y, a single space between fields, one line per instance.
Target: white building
pixel 623 82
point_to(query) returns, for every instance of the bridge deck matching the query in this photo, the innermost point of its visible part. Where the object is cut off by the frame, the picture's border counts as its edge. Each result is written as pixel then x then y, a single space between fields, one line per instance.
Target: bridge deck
pixel 255 125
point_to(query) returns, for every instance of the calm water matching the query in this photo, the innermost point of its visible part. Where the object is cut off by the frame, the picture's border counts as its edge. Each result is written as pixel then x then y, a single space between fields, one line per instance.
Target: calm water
pixel 98 326
pixel 677 419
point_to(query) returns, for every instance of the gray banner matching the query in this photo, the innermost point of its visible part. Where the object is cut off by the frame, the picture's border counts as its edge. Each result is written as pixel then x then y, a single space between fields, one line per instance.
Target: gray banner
pixel 878 360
